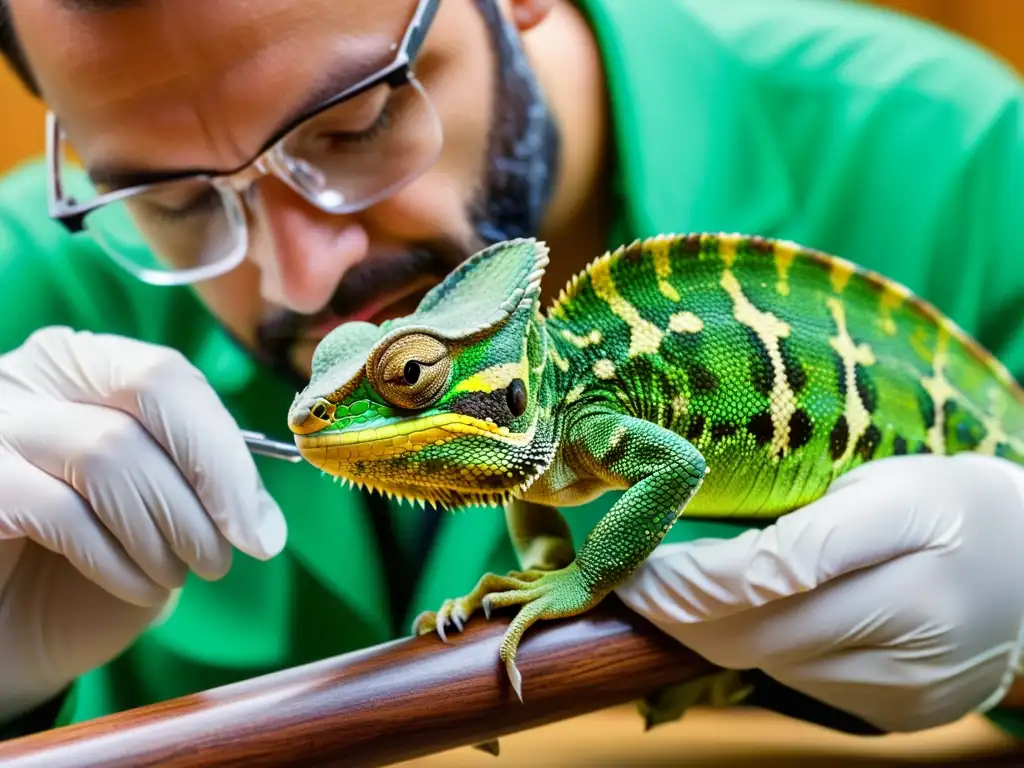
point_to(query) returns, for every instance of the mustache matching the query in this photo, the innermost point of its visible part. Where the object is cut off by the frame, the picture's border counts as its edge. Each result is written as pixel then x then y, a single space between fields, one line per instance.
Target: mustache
pixel 384 270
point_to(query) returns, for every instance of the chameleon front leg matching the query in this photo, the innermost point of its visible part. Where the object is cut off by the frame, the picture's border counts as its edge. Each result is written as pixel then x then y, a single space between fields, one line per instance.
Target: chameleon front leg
pixel 662 472
pixel 542 542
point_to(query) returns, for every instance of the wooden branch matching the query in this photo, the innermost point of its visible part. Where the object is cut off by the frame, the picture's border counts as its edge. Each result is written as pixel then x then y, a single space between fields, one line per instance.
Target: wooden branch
pixel 397 701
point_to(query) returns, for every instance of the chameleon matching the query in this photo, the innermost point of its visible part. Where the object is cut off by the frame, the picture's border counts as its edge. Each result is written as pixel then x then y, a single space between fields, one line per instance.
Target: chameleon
pixel 700 374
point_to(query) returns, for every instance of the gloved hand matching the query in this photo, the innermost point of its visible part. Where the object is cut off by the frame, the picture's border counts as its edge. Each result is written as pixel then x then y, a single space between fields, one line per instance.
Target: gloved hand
pixel 898 597
pixel 120 470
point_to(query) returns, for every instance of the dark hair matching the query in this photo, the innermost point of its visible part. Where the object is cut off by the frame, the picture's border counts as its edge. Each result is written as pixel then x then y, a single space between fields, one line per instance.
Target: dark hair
pixel 12 52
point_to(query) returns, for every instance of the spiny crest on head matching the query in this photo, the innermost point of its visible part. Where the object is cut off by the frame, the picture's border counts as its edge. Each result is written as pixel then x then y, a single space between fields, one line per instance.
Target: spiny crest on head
pixel 478 295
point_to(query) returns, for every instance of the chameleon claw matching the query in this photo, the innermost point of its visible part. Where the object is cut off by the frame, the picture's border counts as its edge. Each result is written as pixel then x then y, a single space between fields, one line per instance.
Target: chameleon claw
pixel 492 747
pixel 515 677
pixel 486 605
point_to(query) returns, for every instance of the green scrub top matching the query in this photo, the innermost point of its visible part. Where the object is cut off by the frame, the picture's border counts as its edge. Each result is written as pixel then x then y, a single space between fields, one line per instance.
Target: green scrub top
pixel 845 128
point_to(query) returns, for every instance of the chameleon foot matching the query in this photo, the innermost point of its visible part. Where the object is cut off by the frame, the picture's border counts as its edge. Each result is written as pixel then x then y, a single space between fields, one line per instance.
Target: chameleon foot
pixel 550 595
pixel 724 688
pixel 457 611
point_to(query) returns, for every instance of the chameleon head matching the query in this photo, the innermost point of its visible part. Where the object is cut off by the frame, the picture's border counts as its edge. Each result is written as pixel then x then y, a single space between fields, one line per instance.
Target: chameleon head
pixel 441 406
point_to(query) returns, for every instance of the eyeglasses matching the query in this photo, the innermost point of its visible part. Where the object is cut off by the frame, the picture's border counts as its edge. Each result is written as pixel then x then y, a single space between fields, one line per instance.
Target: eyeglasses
pixel 357 148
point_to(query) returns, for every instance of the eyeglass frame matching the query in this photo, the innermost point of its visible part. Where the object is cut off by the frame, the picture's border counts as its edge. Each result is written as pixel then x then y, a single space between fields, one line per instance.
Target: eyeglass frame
pixel 395 74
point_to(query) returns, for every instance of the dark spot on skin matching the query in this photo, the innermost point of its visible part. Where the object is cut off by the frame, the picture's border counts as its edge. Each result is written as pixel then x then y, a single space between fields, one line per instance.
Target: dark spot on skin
pixel 801 429
pixel 963 428
pixel 761 373
pixel 634 251
pixel 1005 451
pixel 701 378
pixel 617 452
pixel 926 404
pixel 868 443
pixel 899 445
pixel 718 431
pixel 758 244
pixel 866 388
pixel 690 245
pixel 795 373
pixel 761 428
pixel 837 361
pixel 838 438
pixel 492 405
pixel 515 397
pixel 696 427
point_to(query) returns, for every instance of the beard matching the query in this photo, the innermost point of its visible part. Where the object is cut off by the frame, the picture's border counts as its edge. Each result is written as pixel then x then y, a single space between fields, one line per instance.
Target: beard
pixel 521 166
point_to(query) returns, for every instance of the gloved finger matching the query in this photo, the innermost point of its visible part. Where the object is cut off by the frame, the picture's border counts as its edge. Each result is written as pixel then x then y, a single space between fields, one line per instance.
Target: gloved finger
pixel 167 395
pixel 868 519
pixel 50 513
pixel 126 479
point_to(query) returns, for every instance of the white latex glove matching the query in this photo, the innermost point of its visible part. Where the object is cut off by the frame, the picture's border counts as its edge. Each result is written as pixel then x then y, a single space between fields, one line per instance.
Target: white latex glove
pixel 120 470
pixel 898 598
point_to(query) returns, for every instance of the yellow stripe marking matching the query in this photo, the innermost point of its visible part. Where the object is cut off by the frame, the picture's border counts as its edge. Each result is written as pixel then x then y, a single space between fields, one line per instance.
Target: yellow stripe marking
pixel 495 377
pixel 557 358
pixel 574 393
pixel 940 390
pixel 645 337
pixel 769 330
pixel 680 405
pixel 685 322
pixel 784 254
pixel 659 248
pixel 892 297
pixel 594 337
pixel 604 369
pixel 404 437
pixel 727 245
pixel 840 273
pixel 857 417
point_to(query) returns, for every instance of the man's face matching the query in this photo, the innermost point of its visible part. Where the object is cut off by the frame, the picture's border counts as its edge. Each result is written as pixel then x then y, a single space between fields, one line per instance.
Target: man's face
pixel 203 84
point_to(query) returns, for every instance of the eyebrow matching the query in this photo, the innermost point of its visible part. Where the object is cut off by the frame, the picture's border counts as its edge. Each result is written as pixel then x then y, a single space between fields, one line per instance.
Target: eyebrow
pixel 116 176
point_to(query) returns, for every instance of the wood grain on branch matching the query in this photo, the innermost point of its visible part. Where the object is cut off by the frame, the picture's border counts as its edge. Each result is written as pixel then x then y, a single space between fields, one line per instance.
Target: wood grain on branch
pixel 378 706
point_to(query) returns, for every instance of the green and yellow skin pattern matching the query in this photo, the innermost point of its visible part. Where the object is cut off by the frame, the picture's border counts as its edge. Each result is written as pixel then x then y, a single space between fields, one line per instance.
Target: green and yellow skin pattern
pixel 702 374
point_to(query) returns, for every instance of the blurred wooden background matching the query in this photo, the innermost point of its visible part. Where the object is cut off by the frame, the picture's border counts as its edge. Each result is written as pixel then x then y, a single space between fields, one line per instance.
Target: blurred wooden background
pixel 705 738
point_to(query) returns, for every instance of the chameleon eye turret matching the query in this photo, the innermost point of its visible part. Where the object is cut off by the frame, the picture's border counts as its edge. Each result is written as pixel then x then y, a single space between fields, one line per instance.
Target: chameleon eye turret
pixel 412 372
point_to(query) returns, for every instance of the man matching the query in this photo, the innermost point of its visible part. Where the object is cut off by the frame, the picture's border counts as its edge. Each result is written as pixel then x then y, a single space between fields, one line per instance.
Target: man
pixel 270 202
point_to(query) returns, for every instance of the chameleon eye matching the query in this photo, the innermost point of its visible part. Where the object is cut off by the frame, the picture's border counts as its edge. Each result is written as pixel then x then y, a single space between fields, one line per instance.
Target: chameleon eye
pixel 411 372
pixel 515 396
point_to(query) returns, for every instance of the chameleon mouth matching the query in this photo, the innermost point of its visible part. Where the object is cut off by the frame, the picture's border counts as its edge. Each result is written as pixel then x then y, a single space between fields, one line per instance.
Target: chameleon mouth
pixel 349 456
pixel 400 437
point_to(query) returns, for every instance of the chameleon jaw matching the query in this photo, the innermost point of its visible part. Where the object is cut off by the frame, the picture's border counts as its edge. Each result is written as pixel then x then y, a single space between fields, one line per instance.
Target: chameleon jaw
pixel 339 453
pixel 400 437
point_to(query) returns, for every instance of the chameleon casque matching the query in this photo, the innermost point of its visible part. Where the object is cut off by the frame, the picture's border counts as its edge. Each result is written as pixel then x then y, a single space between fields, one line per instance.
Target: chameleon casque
pixel 702 374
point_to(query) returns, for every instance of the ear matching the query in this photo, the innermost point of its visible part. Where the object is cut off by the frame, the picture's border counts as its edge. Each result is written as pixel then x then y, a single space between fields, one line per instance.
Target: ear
pixel 529 13
pixel 482 291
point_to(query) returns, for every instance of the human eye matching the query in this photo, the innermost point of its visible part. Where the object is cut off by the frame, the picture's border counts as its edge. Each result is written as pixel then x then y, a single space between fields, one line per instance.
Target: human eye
pixel 179 204
pixel 337 138
pixel 350 123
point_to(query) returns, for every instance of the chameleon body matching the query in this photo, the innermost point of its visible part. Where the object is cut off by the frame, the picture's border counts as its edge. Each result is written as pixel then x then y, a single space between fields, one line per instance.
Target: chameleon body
pixel 701 374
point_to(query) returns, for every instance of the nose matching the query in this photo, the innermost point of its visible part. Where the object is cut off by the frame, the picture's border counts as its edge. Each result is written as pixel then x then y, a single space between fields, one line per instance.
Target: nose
pixel 310 414
pixel 302 252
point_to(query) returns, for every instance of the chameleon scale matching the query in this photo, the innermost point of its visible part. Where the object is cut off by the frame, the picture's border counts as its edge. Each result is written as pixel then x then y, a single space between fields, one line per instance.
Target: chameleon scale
pixel 702 374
